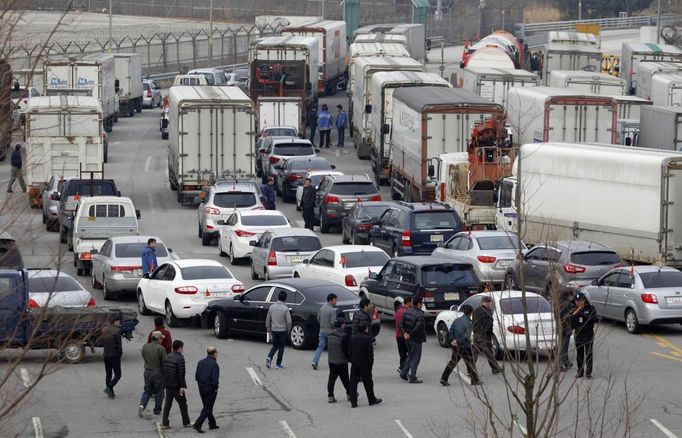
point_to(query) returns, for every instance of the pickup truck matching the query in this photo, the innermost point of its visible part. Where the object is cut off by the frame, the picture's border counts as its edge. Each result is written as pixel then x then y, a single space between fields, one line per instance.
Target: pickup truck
pixel 68 330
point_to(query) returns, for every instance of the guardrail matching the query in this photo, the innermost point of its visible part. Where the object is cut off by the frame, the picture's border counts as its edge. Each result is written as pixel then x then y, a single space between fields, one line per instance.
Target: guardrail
pixel 524 30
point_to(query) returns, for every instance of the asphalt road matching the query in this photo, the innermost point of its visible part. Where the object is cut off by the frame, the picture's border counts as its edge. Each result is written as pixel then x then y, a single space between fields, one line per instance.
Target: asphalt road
pixel 254 401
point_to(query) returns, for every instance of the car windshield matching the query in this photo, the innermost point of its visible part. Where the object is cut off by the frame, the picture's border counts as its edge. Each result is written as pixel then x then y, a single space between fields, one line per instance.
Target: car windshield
pixel 343 295
pixel 293 149
pixel 658 279
pixel 361 259
pixel 296 243
pixel 354 188
pixel 234 199
pixel 595 258
pixel 368 212
pixel 310 165
pixel 264 220
pixel 9 255
pixel 514 305
pixel 52 284
pixel 280 132
pixel 90 189
pixel 436 220
pixel 499 242
pixel 134 249
pixel 205 272
pixel 449 275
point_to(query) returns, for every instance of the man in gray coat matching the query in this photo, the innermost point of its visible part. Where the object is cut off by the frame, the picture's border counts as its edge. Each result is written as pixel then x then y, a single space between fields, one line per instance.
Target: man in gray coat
pixel 337 345
pixel 153 354
pixel 278 324
pixel 325 317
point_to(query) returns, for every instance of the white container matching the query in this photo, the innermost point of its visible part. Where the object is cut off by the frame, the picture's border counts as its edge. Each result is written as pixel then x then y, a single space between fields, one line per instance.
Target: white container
pixel 629 107
pixel 490 57
pixel 633 53
pixel 647 70
pixel 128 68
pixel 588 82
pixel 494 83
pixel 661 128
pixel 383 38
pixel 570 51
pixel 415 35
pixel 279 111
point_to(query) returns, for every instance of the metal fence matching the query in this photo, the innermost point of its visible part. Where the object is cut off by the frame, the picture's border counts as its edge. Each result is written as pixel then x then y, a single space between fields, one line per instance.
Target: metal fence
pixel 524 30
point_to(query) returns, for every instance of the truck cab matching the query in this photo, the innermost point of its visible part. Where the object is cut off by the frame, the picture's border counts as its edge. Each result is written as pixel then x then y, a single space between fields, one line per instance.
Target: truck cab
pixel 505 199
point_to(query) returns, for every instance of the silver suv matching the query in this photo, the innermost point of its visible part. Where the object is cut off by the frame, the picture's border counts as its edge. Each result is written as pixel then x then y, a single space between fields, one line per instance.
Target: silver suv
pixel 221 200
pixel 276 253
pixel 281 149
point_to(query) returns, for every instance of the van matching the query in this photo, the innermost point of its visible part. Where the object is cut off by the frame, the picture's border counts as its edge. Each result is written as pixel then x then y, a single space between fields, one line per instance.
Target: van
pixel 213 75
pixel 196 79
pixel 97 219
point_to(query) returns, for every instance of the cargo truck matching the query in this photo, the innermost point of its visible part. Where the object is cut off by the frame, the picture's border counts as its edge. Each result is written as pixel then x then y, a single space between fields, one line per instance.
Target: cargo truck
pixel 211 137
pixel 633 53
pixel 494 83
pixel 415 36
pixel 629 199
pixel 280 111
pixel 64 137
pixel 544 114
pixel 331 41
pixel 661 127
pixel 128 83
pixel 588 82
pixel 383 84
pixel 660 82
pixel 569 51
pixel 383 38
pixel 359 50
pixel 629 107
pixel 428 122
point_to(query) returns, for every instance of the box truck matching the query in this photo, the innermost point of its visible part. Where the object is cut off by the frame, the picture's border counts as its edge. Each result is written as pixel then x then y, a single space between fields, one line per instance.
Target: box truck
pixel 629 107
pixel 211 137
pixel 415 35
pixel 629 199
pixel 280 111
pixel 128 83
pixel 494 83
pixel 383 38
pixel 588 82
pixel 660 82
pixel 661 127
pixel 544 114
pixel 569 51
pixel 633 53
pixel 358 50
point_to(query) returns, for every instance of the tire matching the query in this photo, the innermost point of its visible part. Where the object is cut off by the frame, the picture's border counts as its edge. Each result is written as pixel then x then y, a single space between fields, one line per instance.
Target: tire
pixel 509 282
pixel 220 326
pixel 266 276
pixel 73 351
pixel 62 234
pixel 200 231
pixel 233 260
pixel 44 217
pixel 442 334
pixel 80 272
pixel 298 338
pixel 497 351
pixel 138 105
pixel 221 253
pixel 141 305
pixel 171 319
pixel 95 283
pixel 254 274
pixel 631 322
pixel 206 240
pixel 324 227
pixel 344 239
pixel 108 295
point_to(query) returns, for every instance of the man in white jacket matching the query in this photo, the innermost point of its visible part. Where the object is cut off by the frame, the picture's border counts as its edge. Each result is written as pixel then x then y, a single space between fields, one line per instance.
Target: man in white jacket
pixel 278 324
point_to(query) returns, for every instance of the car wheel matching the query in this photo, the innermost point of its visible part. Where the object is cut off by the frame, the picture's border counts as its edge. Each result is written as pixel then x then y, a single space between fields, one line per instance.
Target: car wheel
pixel 344 239
pixel 631 322
pixel 442 333
pixel 254 274
pixel 73 351
pixel 171 320
pixel 79 272
pixel 497 351
pixel 141 306
pixel 297 336
pixel 266 275
pixel 221 253
pixel 220 325
pixel 95 283
pixel 44 217
pixel 200 231
pixel 324 227
pixel 62 234
pixel 206 239
pixel 233 260
pixel 105 290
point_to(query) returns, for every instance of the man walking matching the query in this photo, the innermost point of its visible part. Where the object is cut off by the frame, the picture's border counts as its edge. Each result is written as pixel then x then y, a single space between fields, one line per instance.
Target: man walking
pixel 483 333
pixel 208 379
pixel 175 384
pixel 362 317
pixel 399 338
pixel 278 324
pixel 311 121
pixel 361 360
pixel 413 327
pixel 324 125
pixel 154 355
pixel 167 340
pixel 337 348
pixel 16 161
pixel 149 263
pixel 268 192
pixel 341 119
pixel 582 321
pixel 325 317
pixel 113 350
pixel 308 204
pixel 565 311
pixel 460 343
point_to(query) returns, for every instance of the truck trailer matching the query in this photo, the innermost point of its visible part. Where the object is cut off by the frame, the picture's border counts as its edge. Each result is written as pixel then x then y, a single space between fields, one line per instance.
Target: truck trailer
pixel 128 83
pixel 569 51
pixel 280 111
pixel 633 53
pixel 588 82
pixel 494 83
pixel 660 82
pixel 661 128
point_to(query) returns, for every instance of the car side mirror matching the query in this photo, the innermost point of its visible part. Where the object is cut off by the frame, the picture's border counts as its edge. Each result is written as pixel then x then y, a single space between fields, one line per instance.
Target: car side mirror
pixel 55 196
pixel 94 252
pixel 170 249
pixel 221 222
pixel 595 283
pixel 238 297
pixel 317 151
pixel 251 242
pixel 118 193
pixel 263 199
pixel 138 214
pixel 454 308
pixel 368 109
pixel 373 276
pixel 306 261
pixel 441 244
pixel 375 221
pixel 333 166
pixel 386 129
pixel 431 170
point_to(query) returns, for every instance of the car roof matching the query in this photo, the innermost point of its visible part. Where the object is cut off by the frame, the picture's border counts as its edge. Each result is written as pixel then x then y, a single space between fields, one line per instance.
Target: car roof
pixel 265 128
pixel 488 233
pixel 350 178
pixel 226 187
pixel 508 294
pixel 650 268
pixel 429 260
pixel 283 232
pixel 187 263
pixel 300 283
pixel 574 245
pixel 280 140
pixel 260 213
pixel 423 206
pixel 349 248
pixel 323 172
pixel 306 158
pixel 376 204
pixel 134 239
pixel 47 273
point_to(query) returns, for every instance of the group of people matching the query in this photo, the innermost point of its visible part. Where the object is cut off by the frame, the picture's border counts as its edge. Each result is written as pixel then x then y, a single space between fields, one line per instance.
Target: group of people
pixel 323 121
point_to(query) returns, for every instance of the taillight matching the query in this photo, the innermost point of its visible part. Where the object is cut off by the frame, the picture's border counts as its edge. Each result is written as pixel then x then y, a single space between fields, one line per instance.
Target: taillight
pixel 211 210
pixel 406 238
pixel 32 304
pixel 186 290
pixel 332 199
pixel 125 269
pixel 428 296
pixel 274 159
pixel 364 226
pixel 272 258
pixel 375 198
pixel 350 281
pixel 516 329
pixel 649 298
pixel 149 93
pixel 85 256
pixel 375 314
pixel 486 259
pixel 574 269
pixel 237 288
pixel 294 177
pixel 242 233
pixel 92 302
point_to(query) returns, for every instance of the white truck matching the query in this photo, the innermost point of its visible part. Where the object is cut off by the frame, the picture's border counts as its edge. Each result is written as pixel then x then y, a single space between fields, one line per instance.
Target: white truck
pixel 660 82
pixel 383 84
pixel 629 199
pixel 211 137
pixel 361 94
pixel 360 50
pixel 588 82
pixel 494 83
pixel 64 137
pixel 331 40
pixel 661 128
pixel 90 75
pixel 544 114
pixel 629 107
pixel 280 111
pixel 633 53
pixel 128 83
pixel 383 38
pixel 415 35
pixel 570 51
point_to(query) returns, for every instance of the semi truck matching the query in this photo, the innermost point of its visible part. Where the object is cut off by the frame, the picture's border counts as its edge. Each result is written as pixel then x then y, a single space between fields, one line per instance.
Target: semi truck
pixel 211 137
pixel 629 199
pixel 545 114
pixel 588 82
pixel 64 137
pixel 569 51
pixel 661 127
pixel 331 41
pixel 415 36
pixel 660 82
pixel 494 83
pixel 428 122
pixel 633 53
pixel 280 111
pixel 128 83
pixel 383 84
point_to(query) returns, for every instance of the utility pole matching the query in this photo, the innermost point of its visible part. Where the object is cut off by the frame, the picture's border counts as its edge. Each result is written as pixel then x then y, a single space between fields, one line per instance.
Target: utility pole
pixel 210 35
pixel 658 23
pixel 111 38
pixel 580 10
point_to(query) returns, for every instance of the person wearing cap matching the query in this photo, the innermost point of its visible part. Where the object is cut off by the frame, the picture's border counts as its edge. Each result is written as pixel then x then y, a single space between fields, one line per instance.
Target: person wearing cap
pixel 325 318
pixel 483 333
pixel 582 322
pixel 460 343
pixel 113 350
pixel 413 326
pixel 567 306
pixel 153 354
pixel 167 340
pixel 324 125
pixel 361 351
pixel 208 380
pixel 337 352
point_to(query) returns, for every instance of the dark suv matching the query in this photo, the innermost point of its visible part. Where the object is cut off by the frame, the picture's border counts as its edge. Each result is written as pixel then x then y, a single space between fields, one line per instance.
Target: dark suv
pixel 337 194
pixel 414 228
pixel 439 281
pixel 10 257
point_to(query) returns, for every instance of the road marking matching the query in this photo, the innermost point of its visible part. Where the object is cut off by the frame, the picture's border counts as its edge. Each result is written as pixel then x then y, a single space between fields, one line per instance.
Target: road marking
pixel 662 428
pixel 37 427
pixel 290 433
pixel 665 356
pixel 462 376
pixel 25 377
pixel 159 430
pixel 147 164
pixel 151 202
pixel 254 376
pixel 664 343
pixel 523 429
pixel 403 428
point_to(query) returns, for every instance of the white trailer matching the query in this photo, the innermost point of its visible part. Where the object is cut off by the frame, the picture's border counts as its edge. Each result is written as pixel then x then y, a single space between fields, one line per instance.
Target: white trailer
pixel 494 83
pixel 570 51
pixel 629 199
pixel 383 84
pixel 383 38
pixel 661 128
pixel 629 107
pixel 415 35
pixel 280 111
pixel 128 83
pixel 64 136
pixel 211 137
pixel 544 114
pixel 633 53
pixel 588 82
pixel 648 70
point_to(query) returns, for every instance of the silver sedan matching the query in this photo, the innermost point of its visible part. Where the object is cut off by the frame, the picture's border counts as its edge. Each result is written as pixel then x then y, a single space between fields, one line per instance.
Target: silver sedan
pixel 51 288
pixel 638 295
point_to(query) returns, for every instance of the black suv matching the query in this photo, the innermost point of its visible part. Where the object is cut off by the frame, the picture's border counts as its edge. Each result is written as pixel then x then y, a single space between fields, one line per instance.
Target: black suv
pixel 439 281
pixel 414 228
pixel 337 194
pixel 70 198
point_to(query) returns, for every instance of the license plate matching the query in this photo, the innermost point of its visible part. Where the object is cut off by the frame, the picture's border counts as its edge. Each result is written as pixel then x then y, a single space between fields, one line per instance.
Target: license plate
pixel 503 263
pixel 436 238
pixel 545 345
pixel 296 259
pixel 216 295
pixel 673 300
pixel 450 296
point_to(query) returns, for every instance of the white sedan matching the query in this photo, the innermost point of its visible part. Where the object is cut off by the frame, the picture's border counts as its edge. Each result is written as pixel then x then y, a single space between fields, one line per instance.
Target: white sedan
pixel 182 289
pixel 243 227
pixel 346 265
pixel 51 288
pixel 509 329
pixel 316 177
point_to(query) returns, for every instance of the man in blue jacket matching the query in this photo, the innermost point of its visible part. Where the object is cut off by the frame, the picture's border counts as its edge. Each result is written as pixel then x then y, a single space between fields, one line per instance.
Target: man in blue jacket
pixel 341 119
pixel 149 263
pixel 324 125
pixel 460 343
pixel 16 161
pixel 208 379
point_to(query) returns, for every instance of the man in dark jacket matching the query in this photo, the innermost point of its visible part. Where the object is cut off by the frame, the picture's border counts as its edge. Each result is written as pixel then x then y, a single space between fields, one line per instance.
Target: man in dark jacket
pixel 113 350
pixel 565 311
pixel 167 341
pixel 308 204
pixel 361 360
pixel 174 382
pixel 483 333
pixel 460 343
pixel 337 352
pixel 399 338
pixel 311 121
pixel 362 317
pixel 149 263
pixel 208 379
pixel 154 355
pixel 582 321
pixel 413 326
pixel 16 162
pixel 268 192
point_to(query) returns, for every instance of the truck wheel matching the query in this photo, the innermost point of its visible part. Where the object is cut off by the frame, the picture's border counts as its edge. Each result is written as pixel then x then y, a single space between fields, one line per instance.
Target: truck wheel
pixel 138 104
pixel 220 326
pixel 108 126
pixel 62 234
pixel 141 306
pixel 73 351
pixel 171 320
pixel 181 198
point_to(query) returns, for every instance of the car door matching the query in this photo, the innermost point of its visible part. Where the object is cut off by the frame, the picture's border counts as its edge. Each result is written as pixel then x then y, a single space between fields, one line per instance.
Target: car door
pixel 100 262
pixel 402 284
pixel 257 254
pixel 618 296
pixel 599 293
pixel 250 311
pixel 377 293
pixel 380 234
pixel 153 287
pixel 534 265
pixel 320 196
pixel 167 286
pixel 11 313
pixel 319 265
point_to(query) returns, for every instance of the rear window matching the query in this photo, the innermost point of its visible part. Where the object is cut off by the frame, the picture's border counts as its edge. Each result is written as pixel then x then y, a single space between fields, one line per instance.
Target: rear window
pixel 145 85
pixel 293 149
pixel 354 188
pixel 499 242
pixel 371 212
pixel 310 165
pixel 234 199
pixel 661 279
pixel 9 255
pixel 209 78
pixel 131 250
pixel 361 258
pixel 52 284
pixel 205 272
pixel 296 243
pixel 106 210
pixel 260 221
pixel 280 132
pixel 448 275
pixel 90 189
pixel 515 306
pixel 595 258
pixel 436 220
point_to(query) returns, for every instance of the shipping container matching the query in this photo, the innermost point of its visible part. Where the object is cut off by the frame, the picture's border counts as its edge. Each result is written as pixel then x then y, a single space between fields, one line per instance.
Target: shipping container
pixel 633 53
pixel 588 82
pixel 128 83
pixel 661 128
pixel 494 83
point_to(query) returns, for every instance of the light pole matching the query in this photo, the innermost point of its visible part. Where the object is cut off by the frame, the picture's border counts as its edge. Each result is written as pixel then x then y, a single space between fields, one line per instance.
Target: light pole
pixel 658 23
pixel 580 10
pixel 111 38
pixel 210 35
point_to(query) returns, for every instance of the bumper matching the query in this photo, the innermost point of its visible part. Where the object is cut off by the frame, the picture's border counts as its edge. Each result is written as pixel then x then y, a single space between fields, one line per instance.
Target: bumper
pixel 280 271
pixel 83 264
pixel 361 236
pixel 494 276
pixel 518 343
pixel 654 315
pixel 119 283
pixel 189 309
pixel 147 101
pixel 335 216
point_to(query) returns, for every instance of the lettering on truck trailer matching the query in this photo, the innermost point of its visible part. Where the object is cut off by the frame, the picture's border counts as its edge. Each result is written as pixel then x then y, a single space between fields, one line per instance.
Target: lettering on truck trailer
pixel 407 121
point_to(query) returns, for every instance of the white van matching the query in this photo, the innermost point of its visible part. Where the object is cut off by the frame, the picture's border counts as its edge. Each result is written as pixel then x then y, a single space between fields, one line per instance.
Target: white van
pixel 197 79
pixel 97 219
pixel 213 76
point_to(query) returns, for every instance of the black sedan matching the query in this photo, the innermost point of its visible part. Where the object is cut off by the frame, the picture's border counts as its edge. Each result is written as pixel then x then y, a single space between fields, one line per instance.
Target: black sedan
pixel 246 313
pixel 293 171
pixel 356 225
